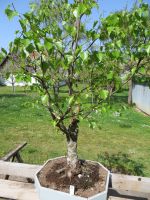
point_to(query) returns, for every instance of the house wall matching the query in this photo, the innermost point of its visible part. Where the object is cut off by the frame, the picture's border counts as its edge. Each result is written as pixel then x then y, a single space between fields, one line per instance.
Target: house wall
pixel 141 97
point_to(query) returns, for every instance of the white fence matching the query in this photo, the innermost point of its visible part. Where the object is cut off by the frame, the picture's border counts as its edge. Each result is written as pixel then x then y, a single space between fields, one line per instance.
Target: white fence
pixel 141 97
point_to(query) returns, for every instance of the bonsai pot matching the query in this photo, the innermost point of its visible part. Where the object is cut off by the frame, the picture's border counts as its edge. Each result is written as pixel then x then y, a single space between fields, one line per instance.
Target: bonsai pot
pixel 51 193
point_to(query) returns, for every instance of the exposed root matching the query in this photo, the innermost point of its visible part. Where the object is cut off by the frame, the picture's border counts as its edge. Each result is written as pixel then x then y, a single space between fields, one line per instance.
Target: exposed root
pixel 59 171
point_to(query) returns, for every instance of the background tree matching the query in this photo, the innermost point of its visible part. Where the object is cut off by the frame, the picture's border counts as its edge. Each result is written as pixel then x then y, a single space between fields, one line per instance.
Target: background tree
pixel 9 66
pixel 127 35
pixel 9 71
pixel 62 51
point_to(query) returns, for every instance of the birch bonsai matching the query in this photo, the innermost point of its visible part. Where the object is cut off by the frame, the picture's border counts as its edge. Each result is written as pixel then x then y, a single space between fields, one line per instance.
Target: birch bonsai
pixel 67 52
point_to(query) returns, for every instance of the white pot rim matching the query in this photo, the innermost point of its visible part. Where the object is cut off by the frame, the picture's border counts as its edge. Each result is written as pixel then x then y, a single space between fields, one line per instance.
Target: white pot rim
pixel 67 194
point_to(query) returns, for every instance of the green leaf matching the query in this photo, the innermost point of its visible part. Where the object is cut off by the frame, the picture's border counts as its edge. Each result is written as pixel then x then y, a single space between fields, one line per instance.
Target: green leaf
pixel 86 96
pixel 33 6
pixel 69 58
pixel 133 70
pixel 16 32
pixel 132 57
pixel 70 29
pixel 71 99
pixel 95 23
pixel 63 23
pixel 116 54
pixel 30 48
pixel 44 100
pixel 110 30
pixel 44 66
pixel 39 46
pixel 59 45
pixel 23 23
pixel 79 10
pixel 48 44
pixel 84 55
pixel 142 70
pixel 119 43
pixel 100 56
pixel 110 75
pixel 4 51
pixel 25 42
pixel 75 12
pixel 148 50
pixel 10 13
pixel 103 110
pixel 54 123
pixel 28 16
pixel 17 41
pixel 104 94
pixel 25 53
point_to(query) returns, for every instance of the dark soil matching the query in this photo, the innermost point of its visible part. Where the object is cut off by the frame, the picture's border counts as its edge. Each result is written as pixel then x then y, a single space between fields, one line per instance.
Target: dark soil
pixel 90 182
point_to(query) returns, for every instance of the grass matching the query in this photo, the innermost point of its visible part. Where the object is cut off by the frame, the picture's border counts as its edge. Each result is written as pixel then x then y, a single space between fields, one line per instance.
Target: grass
pixel 120 130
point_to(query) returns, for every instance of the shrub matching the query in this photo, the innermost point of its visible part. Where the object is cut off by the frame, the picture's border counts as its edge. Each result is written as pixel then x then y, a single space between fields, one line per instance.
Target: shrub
pixel 121 163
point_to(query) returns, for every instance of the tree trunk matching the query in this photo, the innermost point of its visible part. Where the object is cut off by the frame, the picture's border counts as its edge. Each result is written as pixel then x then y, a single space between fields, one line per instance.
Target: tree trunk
pixel 13 87
pixel 13 83
pixel 72 156
pixel 130 92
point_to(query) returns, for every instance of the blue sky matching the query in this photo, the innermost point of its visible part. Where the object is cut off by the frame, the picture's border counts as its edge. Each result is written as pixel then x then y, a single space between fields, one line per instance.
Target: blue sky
pixel 8 28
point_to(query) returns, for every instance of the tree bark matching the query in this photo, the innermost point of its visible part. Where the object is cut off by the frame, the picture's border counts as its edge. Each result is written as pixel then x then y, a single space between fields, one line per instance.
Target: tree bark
pixel 72 156
pixel 13 83
pixel 130 92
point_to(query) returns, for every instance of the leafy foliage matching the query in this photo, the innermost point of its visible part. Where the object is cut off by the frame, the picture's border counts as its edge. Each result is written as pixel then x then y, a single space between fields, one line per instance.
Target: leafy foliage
pixel 57 48
pixel 10 13
pixel 121 163
pixel 144 80
pixel 126 35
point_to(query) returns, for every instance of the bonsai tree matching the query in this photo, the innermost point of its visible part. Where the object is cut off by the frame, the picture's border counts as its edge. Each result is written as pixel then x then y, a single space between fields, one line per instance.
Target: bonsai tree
pixel 65 51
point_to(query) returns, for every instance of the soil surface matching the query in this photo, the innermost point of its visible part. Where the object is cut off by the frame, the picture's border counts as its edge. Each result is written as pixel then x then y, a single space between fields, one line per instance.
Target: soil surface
pixel 90 182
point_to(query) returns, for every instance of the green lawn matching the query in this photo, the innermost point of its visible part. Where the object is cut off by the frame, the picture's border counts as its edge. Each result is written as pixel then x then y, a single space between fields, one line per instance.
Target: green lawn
pixel 126 131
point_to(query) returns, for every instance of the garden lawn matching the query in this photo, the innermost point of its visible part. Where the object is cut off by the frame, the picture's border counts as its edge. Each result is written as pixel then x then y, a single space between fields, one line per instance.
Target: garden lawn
pixel 122 129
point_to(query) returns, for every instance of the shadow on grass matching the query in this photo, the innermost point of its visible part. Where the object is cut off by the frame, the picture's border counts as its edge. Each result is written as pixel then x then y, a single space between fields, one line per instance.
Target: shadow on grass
pixel 119 99
pixel 11 95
